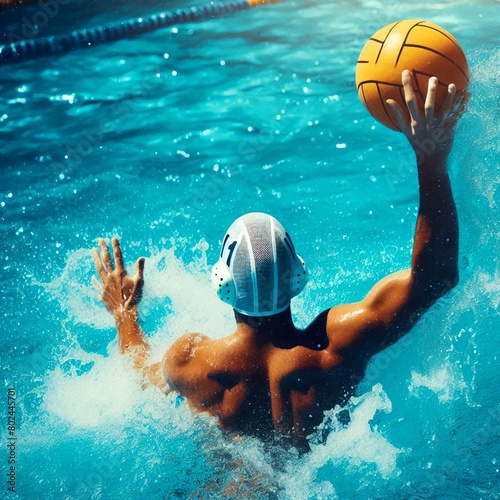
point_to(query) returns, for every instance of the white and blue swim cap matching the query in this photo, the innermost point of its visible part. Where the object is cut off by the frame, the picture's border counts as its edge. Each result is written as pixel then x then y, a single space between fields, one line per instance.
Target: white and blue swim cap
pixel 258 272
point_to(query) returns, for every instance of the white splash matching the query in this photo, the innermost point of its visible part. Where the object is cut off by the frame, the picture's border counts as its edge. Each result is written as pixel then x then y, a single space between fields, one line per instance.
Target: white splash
pixel 110 390
pixel 109 398
pixel 74 292
pixel 360 445
pixel 195 306
pixel 444 382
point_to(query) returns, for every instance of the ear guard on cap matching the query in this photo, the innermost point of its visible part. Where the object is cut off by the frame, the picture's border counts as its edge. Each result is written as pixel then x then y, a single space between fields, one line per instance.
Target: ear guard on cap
pixel 223 283
pixel 299 277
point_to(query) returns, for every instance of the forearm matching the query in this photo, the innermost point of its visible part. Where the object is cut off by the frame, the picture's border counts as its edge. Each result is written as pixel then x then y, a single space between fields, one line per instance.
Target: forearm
pixel 131 338
pixel 435 251
pixel 132 342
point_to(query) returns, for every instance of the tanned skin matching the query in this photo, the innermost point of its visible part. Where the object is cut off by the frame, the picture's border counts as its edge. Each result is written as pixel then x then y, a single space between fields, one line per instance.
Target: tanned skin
pixel 270 379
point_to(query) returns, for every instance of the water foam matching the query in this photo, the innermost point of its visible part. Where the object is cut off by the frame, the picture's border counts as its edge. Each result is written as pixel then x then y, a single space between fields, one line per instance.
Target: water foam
pixel 445 382
pixel 348 449
pixel 76 395
pixel 82 402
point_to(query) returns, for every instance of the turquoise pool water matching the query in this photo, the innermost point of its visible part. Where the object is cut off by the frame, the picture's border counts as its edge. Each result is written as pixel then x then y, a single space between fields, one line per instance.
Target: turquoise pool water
pixel 163 141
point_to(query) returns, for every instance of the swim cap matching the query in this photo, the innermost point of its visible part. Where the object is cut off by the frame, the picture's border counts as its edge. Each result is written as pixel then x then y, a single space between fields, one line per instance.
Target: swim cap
pixel 258 272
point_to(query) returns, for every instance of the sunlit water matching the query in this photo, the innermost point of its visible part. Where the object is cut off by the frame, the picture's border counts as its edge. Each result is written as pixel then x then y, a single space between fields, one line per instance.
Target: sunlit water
pixel 163 141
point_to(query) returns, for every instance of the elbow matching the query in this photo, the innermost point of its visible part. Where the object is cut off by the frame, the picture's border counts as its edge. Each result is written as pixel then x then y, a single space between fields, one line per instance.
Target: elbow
pixel 447 277
pixel 428 291
pixel 455 281
pixel 439 287
pixel 451 281
pixel 447 284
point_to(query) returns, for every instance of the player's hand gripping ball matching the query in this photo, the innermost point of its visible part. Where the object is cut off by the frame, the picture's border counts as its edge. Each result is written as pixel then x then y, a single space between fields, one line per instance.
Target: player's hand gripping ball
pixel 419 46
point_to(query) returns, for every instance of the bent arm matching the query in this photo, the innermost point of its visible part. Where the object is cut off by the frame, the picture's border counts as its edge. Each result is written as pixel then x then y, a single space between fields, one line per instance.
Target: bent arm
pixel 131 338
pixel 121 295
pixel 434 268
pixel 395 303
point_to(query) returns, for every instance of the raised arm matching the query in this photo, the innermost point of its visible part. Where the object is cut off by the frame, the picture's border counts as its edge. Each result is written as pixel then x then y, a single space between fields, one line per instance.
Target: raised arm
pixel 396 302
pixel 121 295
pixel 434 267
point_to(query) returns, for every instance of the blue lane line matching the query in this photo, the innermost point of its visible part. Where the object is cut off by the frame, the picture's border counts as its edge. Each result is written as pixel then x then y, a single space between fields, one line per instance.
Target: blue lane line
pixel 81 39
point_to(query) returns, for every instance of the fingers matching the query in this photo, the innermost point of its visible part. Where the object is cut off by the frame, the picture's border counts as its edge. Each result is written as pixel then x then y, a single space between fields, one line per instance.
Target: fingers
pixel 430 100
pixel 117 252
pixel 96 284
pixel 464 100
pixel 397 110
pixel 461 101
pixel 450 119
pixel 449 101
pixel 139 269
pixel 103 262
pixel 98 264
pixel 136 295
pixel 106 258
pixel 412 97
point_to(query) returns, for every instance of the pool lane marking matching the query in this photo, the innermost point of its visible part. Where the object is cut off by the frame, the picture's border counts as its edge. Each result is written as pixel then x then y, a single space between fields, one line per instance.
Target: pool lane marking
pixel 34 49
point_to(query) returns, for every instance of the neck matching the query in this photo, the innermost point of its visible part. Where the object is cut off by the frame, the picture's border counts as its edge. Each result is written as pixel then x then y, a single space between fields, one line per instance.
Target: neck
pixel 277 329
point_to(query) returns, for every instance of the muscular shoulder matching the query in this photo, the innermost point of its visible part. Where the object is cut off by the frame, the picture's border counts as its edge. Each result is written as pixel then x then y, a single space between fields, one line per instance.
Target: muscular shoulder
pixel 385 307
pixel 184 349
pixel 181 360
pixel 187 367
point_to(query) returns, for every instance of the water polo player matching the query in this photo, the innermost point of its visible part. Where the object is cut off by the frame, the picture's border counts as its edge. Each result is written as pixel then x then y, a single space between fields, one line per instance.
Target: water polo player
pixel 268 378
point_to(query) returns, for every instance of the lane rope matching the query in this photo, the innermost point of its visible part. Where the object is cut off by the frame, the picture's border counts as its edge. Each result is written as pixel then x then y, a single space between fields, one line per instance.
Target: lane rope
pixel 85 38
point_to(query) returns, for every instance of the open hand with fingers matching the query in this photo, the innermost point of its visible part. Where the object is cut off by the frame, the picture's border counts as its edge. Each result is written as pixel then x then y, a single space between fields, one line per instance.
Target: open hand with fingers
pixel 428 129
pixel 120 293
